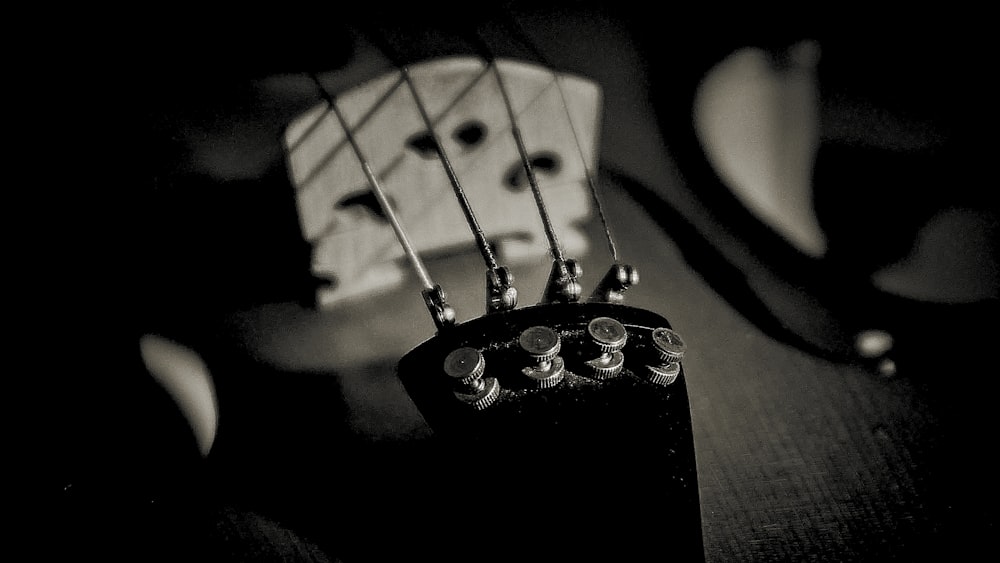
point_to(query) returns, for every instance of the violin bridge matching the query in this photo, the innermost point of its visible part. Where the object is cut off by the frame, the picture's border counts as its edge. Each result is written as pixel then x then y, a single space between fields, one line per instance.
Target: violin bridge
pixel 354 248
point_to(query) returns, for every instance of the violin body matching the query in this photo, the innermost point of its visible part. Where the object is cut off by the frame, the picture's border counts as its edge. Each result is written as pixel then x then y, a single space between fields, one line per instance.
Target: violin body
pixel 337 423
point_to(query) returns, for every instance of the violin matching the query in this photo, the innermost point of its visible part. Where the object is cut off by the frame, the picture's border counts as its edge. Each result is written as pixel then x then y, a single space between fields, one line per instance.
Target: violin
pixel 352 401
pixel 535 410
pixel 547 412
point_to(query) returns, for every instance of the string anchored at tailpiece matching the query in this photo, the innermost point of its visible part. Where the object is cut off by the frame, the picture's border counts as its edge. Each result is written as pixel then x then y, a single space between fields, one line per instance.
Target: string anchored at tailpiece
pixel 562 285
pixel 434 297
pixel 501 295
pixel 620 276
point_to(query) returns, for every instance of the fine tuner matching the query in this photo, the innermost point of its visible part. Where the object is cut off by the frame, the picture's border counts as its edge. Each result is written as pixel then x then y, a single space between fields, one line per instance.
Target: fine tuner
pixel 593 352
pixel 508 364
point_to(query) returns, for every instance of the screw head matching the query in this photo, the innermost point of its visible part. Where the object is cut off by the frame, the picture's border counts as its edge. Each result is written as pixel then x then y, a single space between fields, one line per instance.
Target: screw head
pixel 609 334
pixel 464 365
pixel 540 342
pixel 669 345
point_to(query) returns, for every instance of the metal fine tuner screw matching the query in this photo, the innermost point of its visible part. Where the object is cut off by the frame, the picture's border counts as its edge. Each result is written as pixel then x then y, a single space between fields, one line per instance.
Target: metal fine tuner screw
pixel 609 337
pixel 465 366
pixel 668 349
pixel 542 344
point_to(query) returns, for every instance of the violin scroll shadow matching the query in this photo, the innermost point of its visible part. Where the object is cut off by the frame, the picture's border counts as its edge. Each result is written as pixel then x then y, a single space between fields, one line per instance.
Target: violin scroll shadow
pixel 571 419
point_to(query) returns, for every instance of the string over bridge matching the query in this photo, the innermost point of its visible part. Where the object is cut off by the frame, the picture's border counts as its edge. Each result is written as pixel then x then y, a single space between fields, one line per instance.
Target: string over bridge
pixel 501 295
pixel 353 247
pixel 434 297
pixel 562 285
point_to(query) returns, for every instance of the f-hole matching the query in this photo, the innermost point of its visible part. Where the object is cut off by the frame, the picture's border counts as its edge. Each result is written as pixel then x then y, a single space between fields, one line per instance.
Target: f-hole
pixel 365 200
pixel 468 135
pixel 546 162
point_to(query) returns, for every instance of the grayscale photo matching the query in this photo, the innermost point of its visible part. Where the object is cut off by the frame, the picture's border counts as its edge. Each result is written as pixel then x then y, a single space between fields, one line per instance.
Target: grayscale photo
pixel 524 281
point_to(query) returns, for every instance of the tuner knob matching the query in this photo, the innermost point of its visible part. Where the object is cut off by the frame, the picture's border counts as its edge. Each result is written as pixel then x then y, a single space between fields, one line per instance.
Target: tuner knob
pixel 465 366
pixel 668 348
pixel 663 375
pixel 609 336
pixel 669 345
pixel 542 344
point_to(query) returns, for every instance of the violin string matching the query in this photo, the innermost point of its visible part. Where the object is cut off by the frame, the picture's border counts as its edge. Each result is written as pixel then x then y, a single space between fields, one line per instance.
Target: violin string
pixel 587 172
pixel 360 123
pixel 482 243
pixel 383 201
pixel 425 205
pixel 481 45
pixel 470 216
pixel 526 41
pixel 543 211
pixel 309 178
